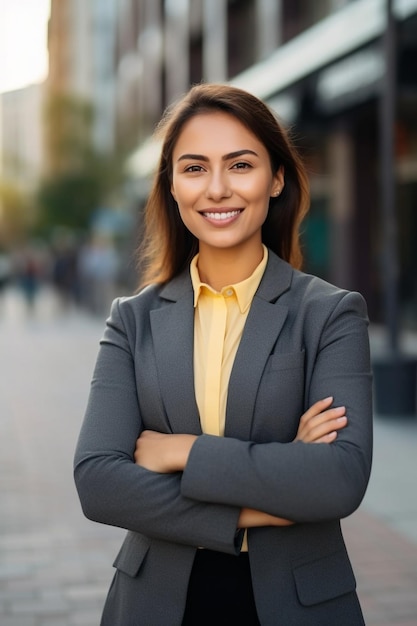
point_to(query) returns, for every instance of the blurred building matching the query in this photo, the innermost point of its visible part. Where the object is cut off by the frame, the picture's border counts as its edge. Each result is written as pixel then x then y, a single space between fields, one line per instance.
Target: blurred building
pixel 21 141
pixel 321 65
pixel 81 43
pixel 166 45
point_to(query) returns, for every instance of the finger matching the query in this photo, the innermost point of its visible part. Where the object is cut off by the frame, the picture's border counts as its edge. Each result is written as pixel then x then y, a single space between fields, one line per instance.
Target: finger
pixel 327 416
pixel 317 407
pixel 329 438
pixel 318 427
pixel 311 424
pixel 326 428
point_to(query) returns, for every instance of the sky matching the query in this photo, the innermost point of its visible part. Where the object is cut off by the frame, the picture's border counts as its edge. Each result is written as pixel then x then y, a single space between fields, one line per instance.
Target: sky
pixel 23 43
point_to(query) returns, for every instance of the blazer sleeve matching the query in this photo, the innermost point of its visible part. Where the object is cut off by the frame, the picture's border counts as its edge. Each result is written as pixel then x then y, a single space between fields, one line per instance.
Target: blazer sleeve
pixel 300 481
pixel 112 488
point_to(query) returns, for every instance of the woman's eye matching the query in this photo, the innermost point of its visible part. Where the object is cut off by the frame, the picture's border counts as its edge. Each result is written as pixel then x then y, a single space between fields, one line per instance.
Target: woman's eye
pixel 241 165
pixel 194 168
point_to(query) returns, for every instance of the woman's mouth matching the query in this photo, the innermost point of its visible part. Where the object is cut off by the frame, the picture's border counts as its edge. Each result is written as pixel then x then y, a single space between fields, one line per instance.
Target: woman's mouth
pixel 221 215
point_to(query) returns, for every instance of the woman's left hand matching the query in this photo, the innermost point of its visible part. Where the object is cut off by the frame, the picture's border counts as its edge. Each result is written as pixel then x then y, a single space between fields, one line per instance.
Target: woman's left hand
pixel 159 452
pixel 320 424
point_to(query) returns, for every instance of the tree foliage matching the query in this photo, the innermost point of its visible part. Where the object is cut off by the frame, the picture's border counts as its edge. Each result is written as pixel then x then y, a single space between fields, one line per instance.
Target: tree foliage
pixel 17 215
pixel 68 200
pixel 79 178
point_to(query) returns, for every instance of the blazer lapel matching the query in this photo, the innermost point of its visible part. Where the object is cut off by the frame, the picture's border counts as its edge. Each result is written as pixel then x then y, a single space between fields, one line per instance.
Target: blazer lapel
pixel 263 326
pixel 173 338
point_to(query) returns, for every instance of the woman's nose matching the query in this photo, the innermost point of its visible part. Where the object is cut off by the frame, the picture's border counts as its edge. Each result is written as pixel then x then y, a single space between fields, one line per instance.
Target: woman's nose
pixel 218 186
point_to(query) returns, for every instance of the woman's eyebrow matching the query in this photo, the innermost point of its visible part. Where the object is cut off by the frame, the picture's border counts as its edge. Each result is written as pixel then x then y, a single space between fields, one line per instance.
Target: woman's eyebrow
pixel 192 157
pixel 226 157
pixel 238 153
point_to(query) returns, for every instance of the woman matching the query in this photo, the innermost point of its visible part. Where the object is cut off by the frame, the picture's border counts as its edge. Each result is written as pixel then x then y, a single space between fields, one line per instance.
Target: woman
pixel 213 383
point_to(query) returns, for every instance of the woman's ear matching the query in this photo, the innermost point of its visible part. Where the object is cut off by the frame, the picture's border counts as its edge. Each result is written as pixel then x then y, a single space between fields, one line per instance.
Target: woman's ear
pixel 172 192
pixel 278 182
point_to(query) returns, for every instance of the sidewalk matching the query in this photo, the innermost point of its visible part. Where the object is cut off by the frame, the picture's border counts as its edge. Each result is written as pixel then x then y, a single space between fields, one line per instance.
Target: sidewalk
pixel 55 566
pixel 382 535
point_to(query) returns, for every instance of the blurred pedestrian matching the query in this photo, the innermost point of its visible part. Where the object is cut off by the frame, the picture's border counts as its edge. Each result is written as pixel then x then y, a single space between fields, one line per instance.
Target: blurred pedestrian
pixel 5 270
pixel 98 266
pixel 5 273
pixel 65 270
pixel 29 274
pixel 213 383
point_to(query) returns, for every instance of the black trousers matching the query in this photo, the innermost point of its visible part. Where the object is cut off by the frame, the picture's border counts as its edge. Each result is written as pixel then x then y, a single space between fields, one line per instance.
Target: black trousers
pixel 220 591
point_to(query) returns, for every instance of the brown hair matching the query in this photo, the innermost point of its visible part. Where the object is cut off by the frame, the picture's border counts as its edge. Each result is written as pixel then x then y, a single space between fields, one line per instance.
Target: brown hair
pixel 168 246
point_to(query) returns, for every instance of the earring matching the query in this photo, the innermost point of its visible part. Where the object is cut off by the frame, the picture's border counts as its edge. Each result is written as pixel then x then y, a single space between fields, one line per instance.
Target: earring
pixel 277 193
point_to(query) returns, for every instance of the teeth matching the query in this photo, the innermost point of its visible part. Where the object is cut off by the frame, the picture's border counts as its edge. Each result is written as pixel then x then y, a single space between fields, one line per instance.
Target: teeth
pixel 221 216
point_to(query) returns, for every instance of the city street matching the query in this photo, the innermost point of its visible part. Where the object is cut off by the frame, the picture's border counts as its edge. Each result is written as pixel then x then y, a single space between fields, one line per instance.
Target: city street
pixel 55 566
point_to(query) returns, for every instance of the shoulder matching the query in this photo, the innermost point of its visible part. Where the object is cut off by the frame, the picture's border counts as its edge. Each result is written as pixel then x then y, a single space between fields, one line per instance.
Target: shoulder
pixel 322 304
pixel 132 309
pixel 294 288
pixel 317 291
pixel 143 299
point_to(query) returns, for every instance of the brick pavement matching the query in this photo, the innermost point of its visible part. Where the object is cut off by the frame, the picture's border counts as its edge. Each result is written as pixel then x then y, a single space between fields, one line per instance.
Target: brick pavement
pixel 55 566
pixel 385 565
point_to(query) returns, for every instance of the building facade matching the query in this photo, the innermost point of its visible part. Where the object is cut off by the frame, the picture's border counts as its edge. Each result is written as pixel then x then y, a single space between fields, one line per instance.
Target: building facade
pixel 21 139
pixel 81 44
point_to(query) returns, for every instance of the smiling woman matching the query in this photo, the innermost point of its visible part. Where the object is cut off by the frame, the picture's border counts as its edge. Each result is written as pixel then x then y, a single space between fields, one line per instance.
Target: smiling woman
pixel 229 425
pixel 23 43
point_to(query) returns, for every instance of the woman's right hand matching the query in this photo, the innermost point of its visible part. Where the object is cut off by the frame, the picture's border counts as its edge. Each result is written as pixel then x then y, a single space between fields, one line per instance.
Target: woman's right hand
pixel 320 424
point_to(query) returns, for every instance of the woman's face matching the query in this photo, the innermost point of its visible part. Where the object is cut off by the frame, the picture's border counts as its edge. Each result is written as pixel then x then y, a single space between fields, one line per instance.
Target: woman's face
pixel 222 181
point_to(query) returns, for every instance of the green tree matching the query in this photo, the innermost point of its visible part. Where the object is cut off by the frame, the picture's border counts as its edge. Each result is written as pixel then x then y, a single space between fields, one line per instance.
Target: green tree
pixel 17 215
pixel 68 123
pixel 68 199
pixel 79 179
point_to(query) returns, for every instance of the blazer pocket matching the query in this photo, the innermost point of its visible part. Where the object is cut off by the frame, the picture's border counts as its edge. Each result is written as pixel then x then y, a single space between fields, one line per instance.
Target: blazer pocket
pixel 324 578
pixel 132 554
pixel 289 361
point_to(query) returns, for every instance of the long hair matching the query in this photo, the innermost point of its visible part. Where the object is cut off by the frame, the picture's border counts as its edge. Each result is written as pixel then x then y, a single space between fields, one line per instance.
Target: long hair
pixel 168 246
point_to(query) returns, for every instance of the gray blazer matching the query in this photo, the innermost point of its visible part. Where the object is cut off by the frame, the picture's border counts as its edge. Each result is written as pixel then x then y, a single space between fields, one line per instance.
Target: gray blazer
pixel 303 340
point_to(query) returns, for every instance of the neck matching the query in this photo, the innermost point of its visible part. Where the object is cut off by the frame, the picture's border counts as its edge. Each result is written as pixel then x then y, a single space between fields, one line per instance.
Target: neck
pixel 221 267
